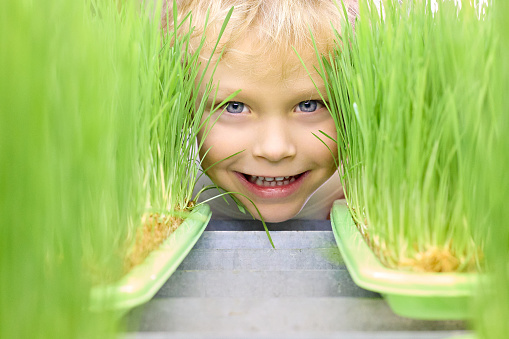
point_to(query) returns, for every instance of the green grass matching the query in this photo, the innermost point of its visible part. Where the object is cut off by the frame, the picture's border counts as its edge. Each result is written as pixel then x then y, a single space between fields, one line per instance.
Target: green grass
pixel 408 95
pixel 96 127
pixel 67 191
pixel 171 117
pixel 175 115
pixel 493 303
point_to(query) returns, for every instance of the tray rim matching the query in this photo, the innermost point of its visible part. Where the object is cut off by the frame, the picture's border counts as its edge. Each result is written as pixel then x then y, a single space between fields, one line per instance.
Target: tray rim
pixel 141 283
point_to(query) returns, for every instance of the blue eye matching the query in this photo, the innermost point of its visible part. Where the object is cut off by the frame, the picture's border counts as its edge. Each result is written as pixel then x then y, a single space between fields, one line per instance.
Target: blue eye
pixel 308 106
pixel 234 107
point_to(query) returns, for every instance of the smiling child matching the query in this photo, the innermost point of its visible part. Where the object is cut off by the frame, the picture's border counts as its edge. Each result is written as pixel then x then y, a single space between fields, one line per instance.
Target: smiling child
pixel 282 166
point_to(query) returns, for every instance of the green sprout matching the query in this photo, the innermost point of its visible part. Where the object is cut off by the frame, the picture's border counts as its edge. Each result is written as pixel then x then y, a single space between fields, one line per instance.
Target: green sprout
pixel 408 87
pixel 97 128
pixel 68 188
pixel 492 307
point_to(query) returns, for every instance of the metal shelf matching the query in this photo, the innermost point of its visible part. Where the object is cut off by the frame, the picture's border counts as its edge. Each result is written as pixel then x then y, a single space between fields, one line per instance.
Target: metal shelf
pixel 233 284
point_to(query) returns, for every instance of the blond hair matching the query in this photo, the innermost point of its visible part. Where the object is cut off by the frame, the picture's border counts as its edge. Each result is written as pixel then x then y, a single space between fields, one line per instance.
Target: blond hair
pixel 279 26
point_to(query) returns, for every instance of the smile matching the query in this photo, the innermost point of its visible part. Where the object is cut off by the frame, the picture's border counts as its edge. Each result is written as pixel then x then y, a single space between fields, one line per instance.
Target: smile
pixel 272 187
pixel 271 181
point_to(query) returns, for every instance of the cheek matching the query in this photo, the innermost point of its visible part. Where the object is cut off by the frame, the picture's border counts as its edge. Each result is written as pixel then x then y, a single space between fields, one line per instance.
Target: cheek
pixel 219 143
pixel 321 147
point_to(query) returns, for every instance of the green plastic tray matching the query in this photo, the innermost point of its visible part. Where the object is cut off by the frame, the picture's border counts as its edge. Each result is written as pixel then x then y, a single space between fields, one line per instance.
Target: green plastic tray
pixel 431 296
pixel 144 280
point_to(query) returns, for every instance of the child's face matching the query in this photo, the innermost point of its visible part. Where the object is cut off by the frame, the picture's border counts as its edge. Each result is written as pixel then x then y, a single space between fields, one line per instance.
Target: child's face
pixel 272 121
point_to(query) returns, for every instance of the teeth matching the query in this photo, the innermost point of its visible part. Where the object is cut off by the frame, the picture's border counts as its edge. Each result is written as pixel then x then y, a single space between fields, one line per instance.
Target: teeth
pixel 270 181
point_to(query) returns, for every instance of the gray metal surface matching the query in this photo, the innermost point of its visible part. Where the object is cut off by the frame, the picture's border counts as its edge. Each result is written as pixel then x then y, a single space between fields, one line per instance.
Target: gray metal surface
pixel 233 284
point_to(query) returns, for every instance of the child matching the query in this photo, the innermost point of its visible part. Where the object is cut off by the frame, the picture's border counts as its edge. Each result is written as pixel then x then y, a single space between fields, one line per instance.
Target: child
pixel 282 166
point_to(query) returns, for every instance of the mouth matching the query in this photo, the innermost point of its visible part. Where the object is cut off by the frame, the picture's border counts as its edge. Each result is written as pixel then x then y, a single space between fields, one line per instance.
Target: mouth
pixel 272 187
pixel 271 181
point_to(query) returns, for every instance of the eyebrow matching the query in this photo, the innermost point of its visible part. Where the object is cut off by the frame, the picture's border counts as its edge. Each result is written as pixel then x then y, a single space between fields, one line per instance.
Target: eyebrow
pixel 313 87
pixel 313 93
pixel 221 95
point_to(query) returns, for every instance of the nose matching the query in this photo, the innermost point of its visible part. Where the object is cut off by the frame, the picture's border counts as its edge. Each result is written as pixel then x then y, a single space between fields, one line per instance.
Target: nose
pixel 274 141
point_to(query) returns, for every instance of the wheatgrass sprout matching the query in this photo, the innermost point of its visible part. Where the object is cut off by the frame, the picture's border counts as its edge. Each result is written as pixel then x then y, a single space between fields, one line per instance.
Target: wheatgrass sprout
pixel 408 91
pixel 492 309
pixel 69 179
pixel 171 117
pixel 175 119
pixel 93 102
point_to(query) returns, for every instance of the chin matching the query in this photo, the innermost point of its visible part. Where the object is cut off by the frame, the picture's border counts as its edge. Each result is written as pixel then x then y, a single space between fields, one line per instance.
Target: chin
pixel 275 215
pixel 277 219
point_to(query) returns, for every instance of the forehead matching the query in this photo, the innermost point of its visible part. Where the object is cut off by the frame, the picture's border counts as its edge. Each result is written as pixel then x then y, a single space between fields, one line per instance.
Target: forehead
pixel 267 80
pixel 281 63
